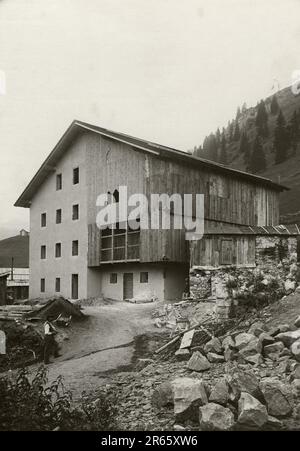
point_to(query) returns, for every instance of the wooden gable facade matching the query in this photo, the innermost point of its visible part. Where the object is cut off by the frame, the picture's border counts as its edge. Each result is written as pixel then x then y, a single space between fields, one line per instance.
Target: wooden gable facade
pixel 228 199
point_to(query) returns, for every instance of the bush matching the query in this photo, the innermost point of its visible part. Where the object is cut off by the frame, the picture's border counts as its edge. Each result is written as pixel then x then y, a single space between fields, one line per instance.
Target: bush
pixel 32 405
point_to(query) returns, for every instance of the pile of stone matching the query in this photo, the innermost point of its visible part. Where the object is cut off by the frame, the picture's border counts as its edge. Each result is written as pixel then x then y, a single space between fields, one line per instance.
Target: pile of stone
pixel 255 346
pixel 238 401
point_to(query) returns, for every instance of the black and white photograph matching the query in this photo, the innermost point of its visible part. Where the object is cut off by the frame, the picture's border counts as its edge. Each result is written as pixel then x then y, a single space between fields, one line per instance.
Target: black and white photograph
pixel 150 218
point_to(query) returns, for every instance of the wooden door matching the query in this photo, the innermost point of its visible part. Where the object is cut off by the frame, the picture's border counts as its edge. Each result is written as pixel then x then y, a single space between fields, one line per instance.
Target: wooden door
pixel 128 285
pixel 74 286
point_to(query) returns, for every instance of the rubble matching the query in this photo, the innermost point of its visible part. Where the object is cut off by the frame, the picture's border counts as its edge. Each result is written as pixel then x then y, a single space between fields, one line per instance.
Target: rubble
pixel 214 417
pixel 188 394
pixel 275 394
pixel 220 393
pixel 288 338
pixel 198 362
pixel 252 413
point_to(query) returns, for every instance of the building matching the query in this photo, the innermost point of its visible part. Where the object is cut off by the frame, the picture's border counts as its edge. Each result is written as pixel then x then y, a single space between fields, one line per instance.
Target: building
pixel 3 287
pixel 14 259
pixel 70 256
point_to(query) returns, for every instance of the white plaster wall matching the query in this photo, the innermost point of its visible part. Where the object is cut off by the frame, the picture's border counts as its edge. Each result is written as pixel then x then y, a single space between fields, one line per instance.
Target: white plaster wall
pixel 48 200
pixel 154 287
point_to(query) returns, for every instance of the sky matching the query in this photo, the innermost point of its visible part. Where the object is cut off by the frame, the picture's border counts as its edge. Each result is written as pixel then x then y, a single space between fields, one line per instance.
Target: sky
pixel 170 71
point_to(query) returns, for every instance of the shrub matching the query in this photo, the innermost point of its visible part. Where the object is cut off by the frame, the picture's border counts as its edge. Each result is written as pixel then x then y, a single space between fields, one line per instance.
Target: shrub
pixel 31 404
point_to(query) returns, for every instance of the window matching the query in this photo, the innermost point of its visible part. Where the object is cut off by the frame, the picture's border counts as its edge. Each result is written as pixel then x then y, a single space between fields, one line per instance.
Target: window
pixel 75 247
pixel 58 182
pixel 43 252
pixel 113 277
pixel 120 244
pixel 58 250
pixel 75 176
pixel 143 277
pixel 43 285
pixel 57 284
pixel 43 220
pixel 116 195
pixel 75 214
pixel 58 216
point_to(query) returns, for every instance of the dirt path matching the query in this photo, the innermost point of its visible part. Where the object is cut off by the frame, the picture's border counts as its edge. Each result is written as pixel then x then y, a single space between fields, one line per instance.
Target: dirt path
pixel 102 343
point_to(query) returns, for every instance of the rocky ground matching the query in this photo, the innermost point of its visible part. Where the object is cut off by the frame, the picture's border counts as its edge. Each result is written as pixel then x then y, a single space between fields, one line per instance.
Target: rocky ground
pixel 247 379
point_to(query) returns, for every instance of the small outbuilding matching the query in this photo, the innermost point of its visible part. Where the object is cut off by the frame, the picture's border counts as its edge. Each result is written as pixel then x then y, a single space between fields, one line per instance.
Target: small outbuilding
pixel 3 287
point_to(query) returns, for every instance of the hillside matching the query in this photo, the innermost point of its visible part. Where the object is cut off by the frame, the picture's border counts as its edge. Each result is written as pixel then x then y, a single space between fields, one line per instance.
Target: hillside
pixel 257 140
pixel 16 247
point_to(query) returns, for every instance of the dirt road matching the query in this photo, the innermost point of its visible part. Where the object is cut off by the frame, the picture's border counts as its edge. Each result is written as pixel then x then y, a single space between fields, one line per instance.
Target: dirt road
pixel 102 343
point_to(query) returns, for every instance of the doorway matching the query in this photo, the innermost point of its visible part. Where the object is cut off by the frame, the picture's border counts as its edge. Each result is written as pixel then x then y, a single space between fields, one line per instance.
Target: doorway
pixel 74 286
pixel 128 285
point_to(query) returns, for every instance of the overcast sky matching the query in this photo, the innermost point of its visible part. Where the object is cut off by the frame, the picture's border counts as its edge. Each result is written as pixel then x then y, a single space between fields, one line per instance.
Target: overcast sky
pixel 170 71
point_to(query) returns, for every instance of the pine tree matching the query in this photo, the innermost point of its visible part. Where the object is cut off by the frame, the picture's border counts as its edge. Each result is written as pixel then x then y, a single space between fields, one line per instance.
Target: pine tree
pixel 210 147
pixel 244 108
pixel 218 137
pixel 223 152
pixel 258 160
pixel 231 131
pixel 274 108
pixel 238 113
pixel 237 134
pixel 294 130
pixel 245 149
pixel 281 139
pixel 261 120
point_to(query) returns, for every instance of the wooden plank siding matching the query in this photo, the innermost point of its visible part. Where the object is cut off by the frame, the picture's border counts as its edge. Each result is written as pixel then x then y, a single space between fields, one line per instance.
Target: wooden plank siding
pixel 227 199
pixel 218 251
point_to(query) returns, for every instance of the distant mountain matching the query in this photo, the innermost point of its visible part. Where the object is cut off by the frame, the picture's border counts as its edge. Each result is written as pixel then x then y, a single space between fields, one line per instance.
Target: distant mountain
pixel 263 140
pixel 16 247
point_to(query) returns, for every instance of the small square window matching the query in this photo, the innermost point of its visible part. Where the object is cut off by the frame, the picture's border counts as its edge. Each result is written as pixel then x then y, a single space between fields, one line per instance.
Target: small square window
pixel 43 285
pixel 57 284
pixel 58 216
pixel 75 212
pixel 58 182
pixel 143 277
pixel 43 252
pixel 75 247
pixel 43 220
pixel 58 250
pixel 75 176
pixel 113 277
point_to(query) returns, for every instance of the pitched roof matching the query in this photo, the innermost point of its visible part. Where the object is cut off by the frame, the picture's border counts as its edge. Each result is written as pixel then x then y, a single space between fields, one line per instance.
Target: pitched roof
pixel 16 247
pixel 146 146
pixel 287 230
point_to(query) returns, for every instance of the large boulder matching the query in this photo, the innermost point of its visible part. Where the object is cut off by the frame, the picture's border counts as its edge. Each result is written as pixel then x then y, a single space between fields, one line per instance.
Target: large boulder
pixel 213 417
pixel 189 395
pixel 214 345
pixel 198 362
pixel 243 381
pixel 257 328
pixel 276 396
pixel 242 340
pixel 252 413
pixel 163 395
pixel 288 338
pixel 274 348
pixel 230 354
pixel 289 286
pixel 266 339
pixel 252 348
pixel 297 321
pixel 220 393
pixel 295 350
pixel 228 342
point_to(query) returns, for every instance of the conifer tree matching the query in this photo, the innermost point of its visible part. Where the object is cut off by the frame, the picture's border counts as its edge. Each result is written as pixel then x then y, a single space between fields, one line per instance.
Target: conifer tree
pixel 223 152
pixel 245 149
pixel 281 139
pixel 237 133
pixel 274 105
pixel 258 160
pixel 261 120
